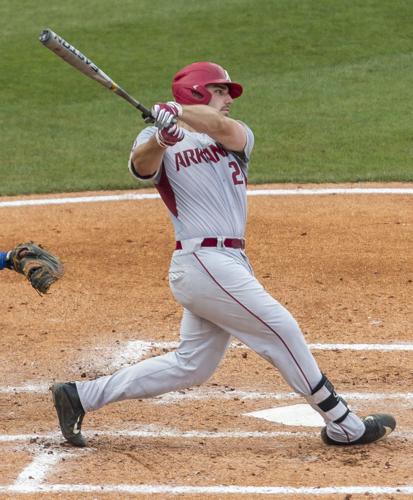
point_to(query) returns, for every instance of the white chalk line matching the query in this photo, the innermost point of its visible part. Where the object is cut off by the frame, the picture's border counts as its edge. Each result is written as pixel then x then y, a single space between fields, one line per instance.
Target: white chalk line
pixel 197 394
pixel 324 191
pixel 130 352
pixel 154 489
pixel 362 347
pixel 151 432
pixel 202 393
pixel 158 432
pixel 234 394
pixel 26 389
pixel 133 350
pixel 32 475
pixel 141 346
pixel 250 192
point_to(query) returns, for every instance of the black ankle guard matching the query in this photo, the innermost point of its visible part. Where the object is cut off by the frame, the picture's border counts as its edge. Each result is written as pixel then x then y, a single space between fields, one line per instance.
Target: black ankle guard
pixel 329 402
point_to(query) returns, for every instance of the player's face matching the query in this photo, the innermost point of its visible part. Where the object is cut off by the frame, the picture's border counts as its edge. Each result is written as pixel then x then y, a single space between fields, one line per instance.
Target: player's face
pixel 220 100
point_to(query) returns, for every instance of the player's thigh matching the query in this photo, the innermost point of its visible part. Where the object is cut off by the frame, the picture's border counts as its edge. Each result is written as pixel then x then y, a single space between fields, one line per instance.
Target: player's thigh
pixel 227 294
pixel 201 341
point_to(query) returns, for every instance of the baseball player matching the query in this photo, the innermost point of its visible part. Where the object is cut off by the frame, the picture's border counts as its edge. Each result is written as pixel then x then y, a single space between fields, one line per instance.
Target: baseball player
pixel 197 157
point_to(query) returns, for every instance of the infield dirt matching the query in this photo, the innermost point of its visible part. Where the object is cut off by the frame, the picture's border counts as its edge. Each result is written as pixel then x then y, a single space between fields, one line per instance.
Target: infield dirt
pixel 342 264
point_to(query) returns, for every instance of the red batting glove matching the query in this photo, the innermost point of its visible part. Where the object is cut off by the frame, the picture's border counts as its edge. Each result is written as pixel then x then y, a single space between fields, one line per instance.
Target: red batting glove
pixel 166 137
pixel 165 114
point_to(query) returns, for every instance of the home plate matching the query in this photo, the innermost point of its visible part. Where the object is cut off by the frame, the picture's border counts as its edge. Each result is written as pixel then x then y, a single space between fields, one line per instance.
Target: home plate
pixel 301 414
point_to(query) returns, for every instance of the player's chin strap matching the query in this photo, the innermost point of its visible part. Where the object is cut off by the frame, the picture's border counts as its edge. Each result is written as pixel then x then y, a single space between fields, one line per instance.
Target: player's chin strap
pixel 326 401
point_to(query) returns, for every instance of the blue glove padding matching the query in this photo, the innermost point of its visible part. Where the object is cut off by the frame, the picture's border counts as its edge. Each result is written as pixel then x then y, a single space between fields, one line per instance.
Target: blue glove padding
pixel 3 260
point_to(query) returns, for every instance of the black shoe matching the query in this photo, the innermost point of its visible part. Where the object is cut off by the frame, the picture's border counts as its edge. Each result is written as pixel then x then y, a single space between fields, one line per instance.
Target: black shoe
pixel 70 412
pixel 378 426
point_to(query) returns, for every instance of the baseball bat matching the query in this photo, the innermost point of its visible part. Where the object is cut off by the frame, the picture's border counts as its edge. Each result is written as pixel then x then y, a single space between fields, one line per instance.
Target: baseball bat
pixel 75 58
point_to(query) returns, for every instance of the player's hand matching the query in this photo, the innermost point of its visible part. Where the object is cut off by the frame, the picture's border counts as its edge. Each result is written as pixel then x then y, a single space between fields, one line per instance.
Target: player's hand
pixel 166 113
pixel 166 137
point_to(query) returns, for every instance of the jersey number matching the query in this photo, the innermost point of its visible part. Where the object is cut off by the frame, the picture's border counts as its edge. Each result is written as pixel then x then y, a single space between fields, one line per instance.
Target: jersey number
pixel 237 177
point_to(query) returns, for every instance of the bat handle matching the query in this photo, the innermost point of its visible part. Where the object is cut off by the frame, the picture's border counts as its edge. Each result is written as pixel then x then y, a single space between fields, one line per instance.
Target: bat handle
pixel 146 115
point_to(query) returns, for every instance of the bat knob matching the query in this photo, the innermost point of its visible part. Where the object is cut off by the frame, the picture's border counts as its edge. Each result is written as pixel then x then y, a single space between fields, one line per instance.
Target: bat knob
pixel 147 118
pixel 45 35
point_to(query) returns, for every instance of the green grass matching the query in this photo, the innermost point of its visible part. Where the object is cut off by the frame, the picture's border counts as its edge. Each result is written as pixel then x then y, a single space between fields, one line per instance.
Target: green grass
pixel 328 86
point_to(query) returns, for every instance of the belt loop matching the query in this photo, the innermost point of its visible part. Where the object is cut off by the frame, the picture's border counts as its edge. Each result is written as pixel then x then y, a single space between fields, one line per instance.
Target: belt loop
pixel 221 242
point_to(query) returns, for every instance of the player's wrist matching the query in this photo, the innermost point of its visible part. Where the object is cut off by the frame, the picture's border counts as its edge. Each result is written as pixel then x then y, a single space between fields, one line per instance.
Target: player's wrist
pixel 9 261
pixel 160 142
pixel 4 260
pixel 178 108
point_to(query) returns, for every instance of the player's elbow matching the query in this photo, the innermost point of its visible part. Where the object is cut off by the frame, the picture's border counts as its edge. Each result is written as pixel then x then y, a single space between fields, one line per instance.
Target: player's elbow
pixel 231 135
pixel 218 126
pixel 145 163
pixel 144 170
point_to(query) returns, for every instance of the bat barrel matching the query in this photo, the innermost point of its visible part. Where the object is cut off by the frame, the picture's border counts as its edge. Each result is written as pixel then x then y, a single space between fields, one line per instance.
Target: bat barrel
pixel 75 58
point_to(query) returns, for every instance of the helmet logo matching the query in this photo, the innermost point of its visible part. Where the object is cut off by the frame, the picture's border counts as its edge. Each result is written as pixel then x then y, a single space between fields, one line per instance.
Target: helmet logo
pixel 227 78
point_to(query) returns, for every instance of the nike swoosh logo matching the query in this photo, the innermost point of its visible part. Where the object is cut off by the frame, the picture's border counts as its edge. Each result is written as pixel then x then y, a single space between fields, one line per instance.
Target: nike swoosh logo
pixel 388 430
pixel 76 430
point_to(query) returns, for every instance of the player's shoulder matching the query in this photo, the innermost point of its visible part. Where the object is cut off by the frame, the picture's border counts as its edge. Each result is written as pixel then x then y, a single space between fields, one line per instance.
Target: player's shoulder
pixel 250 140
pixel 244 125
pixel 248 131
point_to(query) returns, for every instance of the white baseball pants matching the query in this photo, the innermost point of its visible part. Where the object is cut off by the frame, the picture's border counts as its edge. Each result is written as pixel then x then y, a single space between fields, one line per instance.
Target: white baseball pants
pixel 222 298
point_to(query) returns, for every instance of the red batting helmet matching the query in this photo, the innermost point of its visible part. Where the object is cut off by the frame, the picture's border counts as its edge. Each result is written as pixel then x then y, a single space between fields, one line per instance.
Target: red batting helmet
pixel 188 85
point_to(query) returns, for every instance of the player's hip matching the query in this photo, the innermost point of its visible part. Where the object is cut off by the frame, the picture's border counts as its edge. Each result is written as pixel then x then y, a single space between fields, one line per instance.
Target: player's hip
pixel 190 273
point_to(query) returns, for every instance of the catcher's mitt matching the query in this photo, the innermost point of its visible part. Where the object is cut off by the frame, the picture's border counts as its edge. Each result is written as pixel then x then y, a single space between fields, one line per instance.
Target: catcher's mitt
pixel 39 266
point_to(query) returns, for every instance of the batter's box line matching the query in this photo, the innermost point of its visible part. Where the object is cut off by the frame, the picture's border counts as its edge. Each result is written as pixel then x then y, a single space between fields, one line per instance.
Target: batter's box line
pixel 225 393
pixel 133 351
pixel 158 432
pixel 142 347
pixel 168 489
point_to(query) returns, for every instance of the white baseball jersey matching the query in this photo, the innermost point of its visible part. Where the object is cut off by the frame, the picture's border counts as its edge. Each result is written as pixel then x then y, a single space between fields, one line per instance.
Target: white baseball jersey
pixel 203 185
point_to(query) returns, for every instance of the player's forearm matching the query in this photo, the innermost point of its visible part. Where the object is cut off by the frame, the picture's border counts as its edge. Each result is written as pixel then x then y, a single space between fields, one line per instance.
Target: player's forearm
pixel 207 120
pixel 203 119
pixel 147 158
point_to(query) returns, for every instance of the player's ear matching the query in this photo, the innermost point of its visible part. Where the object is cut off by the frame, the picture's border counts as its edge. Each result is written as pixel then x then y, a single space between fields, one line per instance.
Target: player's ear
pixel 197 95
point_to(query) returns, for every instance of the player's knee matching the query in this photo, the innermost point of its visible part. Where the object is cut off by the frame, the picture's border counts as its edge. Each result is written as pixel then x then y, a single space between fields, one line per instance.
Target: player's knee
pixel 197 367
pixel 201 376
